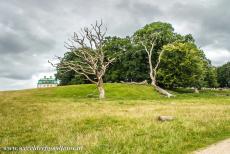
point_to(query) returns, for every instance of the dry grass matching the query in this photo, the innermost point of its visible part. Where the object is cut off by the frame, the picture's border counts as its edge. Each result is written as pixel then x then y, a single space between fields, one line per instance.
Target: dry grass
pixel 116 125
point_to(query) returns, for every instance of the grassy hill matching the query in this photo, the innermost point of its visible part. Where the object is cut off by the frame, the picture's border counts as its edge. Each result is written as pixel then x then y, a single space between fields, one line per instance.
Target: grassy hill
pixel 125 122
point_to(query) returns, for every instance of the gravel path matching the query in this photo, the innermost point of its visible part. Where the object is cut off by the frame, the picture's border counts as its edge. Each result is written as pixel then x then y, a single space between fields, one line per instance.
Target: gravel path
pixel 222 147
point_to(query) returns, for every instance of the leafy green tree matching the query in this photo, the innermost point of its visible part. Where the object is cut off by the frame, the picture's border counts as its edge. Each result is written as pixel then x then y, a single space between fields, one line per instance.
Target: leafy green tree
pixel 158 33
pixel 129 65
pixel 151 38
pixel 223 73
pixel 181 65
pixel 210 78
pixel 66 76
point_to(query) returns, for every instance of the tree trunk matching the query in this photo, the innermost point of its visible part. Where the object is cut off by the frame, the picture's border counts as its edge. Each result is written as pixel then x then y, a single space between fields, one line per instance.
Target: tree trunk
pixel 153 83
pixel 196 90
pixel 101 89
pixel 162 91
pixel 153 72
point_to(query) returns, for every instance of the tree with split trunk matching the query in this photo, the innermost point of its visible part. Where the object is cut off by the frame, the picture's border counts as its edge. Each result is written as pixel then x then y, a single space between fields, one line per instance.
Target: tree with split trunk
pixel 91 59
pixel 151 39
pixel 153 68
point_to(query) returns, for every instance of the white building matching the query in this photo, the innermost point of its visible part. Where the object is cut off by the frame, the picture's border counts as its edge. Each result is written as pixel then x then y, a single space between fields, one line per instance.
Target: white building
pixel 47 82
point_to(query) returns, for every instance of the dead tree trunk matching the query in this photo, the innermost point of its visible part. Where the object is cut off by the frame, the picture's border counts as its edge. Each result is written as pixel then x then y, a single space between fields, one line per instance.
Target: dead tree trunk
pixel 162 91
pixel 101 89
pixel 157 88
pixel 153 70
pixel 153 74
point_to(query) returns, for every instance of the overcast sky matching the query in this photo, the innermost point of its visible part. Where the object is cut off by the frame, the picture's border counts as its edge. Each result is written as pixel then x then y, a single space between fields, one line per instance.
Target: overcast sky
pixel 33 31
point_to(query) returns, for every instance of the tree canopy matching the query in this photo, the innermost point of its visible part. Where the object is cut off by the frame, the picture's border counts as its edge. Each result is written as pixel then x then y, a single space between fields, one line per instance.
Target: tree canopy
pixel 183 64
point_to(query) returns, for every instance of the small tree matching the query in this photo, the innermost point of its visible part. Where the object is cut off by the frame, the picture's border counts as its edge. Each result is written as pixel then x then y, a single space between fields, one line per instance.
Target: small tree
pixel 91 59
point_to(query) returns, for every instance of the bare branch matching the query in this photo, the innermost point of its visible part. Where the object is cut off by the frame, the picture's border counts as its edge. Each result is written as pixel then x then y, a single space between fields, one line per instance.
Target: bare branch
pixel 89 58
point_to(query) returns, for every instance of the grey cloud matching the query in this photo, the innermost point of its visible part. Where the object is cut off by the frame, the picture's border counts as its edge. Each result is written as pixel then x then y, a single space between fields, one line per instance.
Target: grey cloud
pixel 139 9
pixel 20 66
pixel 34 31
pixel 21 39
pixel 211 20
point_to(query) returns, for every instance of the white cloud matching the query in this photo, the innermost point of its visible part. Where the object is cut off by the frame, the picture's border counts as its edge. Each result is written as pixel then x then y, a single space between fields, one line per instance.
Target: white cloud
pixel 218 56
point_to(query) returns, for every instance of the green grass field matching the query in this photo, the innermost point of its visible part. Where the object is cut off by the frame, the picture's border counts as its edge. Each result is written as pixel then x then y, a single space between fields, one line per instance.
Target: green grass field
pixel 125 122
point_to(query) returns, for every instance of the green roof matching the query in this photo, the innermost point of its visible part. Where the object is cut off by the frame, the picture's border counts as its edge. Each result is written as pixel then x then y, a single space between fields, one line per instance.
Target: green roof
pixel 47 81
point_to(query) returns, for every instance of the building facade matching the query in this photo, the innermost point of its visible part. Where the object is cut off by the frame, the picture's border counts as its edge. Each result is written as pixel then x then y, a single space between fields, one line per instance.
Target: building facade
pixel 47 82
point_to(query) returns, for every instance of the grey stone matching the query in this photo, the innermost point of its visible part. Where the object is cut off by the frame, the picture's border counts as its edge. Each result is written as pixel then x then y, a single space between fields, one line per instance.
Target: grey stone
pixel 166 118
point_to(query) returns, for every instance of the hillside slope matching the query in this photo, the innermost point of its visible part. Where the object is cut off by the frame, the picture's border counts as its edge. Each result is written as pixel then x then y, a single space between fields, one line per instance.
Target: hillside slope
pixel 113 91
pixel 125 122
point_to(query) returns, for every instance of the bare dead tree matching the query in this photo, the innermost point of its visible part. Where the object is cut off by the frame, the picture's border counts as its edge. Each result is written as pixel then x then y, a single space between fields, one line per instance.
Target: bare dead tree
pixel 148 43
pixel 92 60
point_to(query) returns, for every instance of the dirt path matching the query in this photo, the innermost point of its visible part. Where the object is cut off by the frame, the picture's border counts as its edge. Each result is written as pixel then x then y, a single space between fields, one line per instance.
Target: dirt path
pixel 222 147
